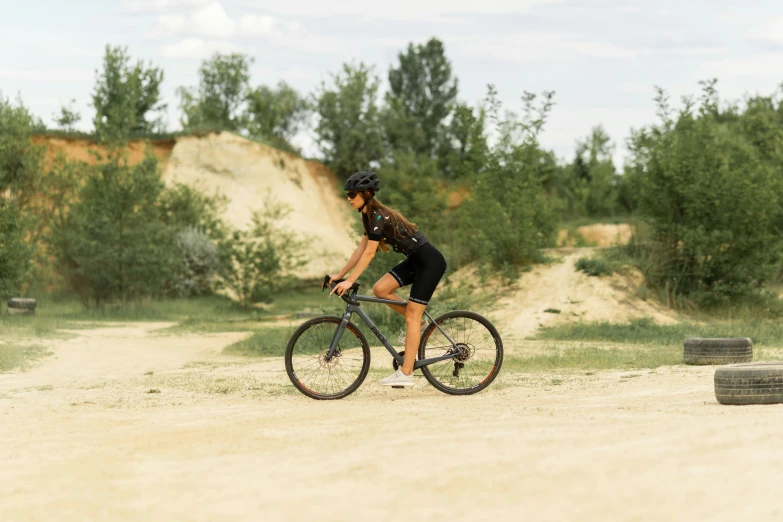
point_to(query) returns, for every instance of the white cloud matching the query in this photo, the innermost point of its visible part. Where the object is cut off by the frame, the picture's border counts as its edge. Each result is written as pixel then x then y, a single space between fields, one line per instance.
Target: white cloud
pixel 400 9
pixel 637 87
pixel 536 47
pixel 771 31
pixel 254 25
pixel 212 20
pixel 198 48
pixel 49 75
pixel 146 6
pixel 171 23
pixel 762 65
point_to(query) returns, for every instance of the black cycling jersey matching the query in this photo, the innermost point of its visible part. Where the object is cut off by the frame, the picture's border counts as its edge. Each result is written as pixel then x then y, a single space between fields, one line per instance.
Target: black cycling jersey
pixel 380 227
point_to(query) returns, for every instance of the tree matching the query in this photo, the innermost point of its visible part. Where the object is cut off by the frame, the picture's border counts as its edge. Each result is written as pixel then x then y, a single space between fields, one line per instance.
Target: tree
pixel 112 244
pixel 68 117
pixel 15 250
pixel 222 91
pixel 710 184
pixel 589 185
pixel 464 150
pixel 349 130
pixel 21 162
pixel 275 113
pixel 124 95
pixel 256 262
pixel 183 207
pixel 422 93
pixel 508 215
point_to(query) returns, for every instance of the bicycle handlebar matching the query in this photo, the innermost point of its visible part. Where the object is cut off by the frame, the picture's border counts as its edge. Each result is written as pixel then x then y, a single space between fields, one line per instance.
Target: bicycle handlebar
pixel 351 291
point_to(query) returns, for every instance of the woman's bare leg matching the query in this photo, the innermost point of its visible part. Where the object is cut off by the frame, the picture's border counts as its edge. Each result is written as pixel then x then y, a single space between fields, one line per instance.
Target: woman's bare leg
pixel 412 335
pixel 384 289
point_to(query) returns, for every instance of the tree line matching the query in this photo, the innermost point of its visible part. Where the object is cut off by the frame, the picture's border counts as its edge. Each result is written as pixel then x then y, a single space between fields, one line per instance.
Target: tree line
pixel 705 178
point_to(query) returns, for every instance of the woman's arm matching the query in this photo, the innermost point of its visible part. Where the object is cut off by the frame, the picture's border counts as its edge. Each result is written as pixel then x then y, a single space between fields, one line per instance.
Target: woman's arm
pixel 357 254
pixel 364 260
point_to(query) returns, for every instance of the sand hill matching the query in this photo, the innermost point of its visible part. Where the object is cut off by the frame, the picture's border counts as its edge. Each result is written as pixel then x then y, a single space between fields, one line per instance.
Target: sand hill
pixel 246 172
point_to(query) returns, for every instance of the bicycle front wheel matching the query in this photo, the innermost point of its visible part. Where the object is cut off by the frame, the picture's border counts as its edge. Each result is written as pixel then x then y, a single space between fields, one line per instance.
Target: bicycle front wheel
pixel 479 353
pixel 312 374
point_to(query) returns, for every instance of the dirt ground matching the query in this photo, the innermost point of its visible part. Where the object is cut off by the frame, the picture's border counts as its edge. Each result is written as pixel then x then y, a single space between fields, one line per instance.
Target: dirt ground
pixel 91 434
pixel 574 296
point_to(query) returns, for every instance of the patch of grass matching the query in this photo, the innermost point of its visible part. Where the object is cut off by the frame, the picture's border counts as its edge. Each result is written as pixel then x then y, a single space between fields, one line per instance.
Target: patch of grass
pixel 580 357
pixel 577 222
pixel 551 311
pixel 245 385
pixel 13 357
pixel 594 266
pixel 645 331
pixel 38 326
pixel 268 342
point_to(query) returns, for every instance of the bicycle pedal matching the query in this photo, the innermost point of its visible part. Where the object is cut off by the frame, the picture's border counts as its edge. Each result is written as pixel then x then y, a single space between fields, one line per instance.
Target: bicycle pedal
pixel 397 387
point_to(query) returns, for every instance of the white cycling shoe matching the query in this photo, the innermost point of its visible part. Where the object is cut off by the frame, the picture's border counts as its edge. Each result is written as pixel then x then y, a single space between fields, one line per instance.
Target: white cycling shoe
pixel 397 379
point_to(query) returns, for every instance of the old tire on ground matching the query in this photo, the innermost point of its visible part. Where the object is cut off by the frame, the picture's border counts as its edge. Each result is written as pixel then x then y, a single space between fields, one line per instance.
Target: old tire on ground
pixel 751 383
pixel 21 302
pixel 718 351
pixel 21 306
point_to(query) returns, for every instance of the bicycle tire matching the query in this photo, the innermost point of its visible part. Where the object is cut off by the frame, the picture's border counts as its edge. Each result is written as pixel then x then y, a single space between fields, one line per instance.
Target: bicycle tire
pixel 318 345
pixel 471 381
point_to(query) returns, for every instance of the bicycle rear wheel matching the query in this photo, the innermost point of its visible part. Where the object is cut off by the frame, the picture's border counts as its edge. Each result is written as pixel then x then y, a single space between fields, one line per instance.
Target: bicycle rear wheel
pixel 312 374
pixel 479 347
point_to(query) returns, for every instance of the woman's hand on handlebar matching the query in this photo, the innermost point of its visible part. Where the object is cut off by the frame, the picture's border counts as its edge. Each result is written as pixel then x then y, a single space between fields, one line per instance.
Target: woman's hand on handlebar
pixel 329 279
pixel 340 288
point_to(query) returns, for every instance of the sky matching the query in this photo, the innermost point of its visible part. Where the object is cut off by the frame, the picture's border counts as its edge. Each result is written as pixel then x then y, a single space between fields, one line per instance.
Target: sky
pixel 603 58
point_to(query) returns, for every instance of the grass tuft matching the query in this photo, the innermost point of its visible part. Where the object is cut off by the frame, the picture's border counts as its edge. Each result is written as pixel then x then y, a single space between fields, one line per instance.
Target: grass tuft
pixel 645 331
pixel 269 342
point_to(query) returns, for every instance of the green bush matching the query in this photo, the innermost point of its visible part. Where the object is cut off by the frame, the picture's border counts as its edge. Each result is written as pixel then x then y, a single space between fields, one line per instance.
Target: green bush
pixel 709 184
pixel 594 266
pixel 509 217
pixel 200 264
pixel 262 259
pixel 112 244
pixel 15 251
pixel 183 206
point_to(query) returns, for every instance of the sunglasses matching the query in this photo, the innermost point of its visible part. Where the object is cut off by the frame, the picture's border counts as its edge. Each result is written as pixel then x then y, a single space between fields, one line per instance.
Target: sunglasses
pixel 352 194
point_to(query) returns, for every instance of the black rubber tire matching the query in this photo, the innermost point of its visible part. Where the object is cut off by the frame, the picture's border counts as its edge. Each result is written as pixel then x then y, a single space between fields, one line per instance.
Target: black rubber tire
pixel 22 302
pixel 751 383
pixel 497 363
pixel 289 355
pixel 20 311
pixel 699 351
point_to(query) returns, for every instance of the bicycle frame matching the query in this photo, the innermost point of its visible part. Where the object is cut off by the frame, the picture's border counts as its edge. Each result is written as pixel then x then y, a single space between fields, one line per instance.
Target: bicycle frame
pixel 354 308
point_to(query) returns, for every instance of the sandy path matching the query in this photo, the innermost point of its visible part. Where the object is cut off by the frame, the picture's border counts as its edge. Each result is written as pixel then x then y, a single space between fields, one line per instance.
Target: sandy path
pixel 118 350
pixel 630 446
pixel 577 297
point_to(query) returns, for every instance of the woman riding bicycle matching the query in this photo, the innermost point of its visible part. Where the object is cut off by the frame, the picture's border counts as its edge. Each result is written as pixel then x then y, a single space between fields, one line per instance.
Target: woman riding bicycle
pixel 423 267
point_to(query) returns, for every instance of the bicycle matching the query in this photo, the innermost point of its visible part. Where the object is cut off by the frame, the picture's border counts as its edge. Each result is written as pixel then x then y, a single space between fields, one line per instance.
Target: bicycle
pixel 460 352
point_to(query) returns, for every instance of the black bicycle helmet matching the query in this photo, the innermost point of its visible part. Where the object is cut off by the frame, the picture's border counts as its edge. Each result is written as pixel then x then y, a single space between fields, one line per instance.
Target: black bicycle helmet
pixel 362 181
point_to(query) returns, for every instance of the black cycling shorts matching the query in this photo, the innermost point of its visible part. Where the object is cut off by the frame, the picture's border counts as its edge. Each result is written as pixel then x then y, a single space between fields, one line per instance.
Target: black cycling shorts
pixel 423 269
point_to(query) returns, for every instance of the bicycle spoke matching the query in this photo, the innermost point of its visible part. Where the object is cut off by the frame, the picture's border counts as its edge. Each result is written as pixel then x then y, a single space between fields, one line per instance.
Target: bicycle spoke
pixel 306 358
pixel 478 353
